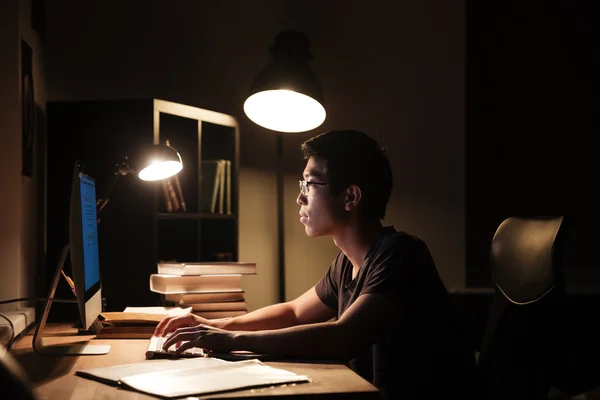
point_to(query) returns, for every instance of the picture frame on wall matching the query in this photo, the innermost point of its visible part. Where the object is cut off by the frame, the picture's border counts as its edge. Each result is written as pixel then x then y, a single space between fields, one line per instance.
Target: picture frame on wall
pixel 27 109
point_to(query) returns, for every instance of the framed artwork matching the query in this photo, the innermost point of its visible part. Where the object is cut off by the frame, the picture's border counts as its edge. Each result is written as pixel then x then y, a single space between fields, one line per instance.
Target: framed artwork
pixel 27 108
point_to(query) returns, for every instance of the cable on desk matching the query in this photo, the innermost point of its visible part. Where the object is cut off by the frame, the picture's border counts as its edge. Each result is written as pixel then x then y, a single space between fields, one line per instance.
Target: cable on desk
pixel 12 331
pixel 55 300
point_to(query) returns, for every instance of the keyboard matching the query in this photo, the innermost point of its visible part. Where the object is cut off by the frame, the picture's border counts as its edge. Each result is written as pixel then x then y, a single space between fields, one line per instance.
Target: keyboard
pixel 155 349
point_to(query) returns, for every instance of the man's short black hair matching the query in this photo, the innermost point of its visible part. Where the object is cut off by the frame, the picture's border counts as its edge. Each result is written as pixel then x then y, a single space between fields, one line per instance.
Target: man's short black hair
pixel 353 158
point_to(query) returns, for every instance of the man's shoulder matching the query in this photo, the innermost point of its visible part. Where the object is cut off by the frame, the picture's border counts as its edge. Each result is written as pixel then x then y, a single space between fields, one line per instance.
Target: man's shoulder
pixel 402 239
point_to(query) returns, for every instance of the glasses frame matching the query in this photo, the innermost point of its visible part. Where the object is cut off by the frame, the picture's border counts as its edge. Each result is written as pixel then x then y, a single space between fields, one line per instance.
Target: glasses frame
pixel 304 186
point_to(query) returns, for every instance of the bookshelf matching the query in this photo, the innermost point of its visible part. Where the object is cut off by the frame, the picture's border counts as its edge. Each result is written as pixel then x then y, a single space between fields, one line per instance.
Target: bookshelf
pixel 136 230
pixel 206 140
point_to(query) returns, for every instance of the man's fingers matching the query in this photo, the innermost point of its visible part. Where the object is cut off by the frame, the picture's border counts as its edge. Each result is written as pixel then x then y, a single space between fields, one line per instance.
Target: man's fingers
pixel 187 329
pixel 161 326
pixel 179 337
pixel 172 325
pixel 184 347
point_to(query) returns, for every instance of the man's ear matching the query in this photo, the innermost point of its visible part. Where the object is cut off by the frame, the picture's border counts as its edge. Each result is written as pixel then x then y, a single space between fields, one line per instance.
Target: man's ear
pixel 353 196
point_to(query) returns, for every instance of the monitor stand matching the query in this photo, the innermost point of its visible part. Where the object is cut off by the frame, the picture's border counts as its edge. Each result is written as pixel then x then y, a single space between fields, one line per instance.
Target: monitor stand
pixel 82 348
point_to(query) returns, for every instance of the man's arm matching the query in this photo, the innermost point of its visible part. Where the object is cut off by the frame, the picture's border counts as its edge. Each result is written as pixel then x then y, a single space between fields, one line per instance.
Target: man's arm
pixel 365 320
pixel 307 308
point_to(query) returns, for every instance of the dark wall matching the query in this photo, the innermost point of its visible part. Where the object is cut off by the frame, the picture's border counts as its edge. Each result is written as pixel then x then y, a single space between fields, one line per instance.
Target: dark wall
pixel 526 102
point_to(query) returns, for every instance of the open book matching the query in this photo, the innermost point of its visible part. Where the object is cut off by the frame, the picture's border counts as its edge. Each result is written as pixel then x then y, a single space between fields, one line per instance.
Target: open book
pixel 135 322
pixel 189 377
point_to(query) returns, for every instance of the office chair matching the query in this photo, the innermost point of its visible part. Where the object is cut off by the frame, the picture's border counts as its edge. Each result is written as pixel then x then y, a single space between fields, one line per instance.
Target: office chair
pixel 522 341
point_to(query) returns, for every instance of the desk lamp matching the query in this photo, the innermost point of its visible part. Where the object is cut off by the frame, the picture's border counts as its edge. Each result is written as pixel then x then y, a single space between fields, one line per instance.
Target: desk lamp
pixel 157 161
pixel 286 97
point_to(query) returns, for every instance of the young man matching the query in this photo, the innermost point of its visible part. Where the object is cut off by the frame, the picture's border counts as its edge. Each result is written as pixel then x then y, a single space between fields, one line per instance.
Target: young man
pixel 381 305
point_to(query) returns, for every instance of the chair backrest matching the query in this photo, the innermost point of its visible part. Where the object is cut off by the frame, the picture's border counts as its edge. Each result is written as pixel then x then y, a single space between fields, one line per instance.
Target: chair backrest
pixel 517 350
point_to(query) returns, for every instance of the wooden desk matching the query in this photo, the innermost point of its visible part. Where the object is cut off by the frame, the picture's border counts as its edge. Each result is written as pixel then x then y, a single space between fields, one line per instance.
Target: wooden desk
pixel 54 377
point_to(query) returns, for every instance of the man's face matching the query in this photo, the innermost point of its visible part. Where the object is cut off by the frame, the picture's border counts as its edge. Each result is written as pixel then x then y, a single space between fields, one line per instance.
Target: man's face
pixel 319 211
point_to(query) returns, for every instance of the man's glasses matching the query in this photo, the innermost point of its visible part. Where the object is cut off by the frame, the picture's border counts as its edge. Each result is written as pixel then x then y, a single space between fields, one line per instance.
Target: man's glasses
pixel 304 186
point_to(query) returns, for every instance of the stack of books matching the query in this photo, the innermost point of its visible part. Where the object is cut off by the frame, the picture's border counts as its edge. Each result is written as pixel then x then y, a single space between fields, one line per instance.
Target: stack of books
pixel 211 289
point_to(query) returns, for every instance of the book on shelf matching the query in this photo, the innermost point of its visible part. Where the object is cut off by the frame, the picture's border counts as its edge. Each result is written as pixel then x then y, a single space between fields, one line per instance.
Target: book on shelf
pixel 207 297
pixel 222 164
pixel 168 202
pixel 169 284
pixel 179 192
pixel 216 186
pixel 174 200
pixel 219 306
pixel 209 185
pixel 219 314
pixel 206 268
pixel 228 187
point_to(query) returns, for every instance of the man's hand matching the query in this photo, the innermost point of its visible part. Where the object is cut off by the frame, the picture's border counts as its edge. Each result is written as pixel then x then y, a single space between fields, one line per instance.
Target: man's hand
pixel 203 336
pixel 170 324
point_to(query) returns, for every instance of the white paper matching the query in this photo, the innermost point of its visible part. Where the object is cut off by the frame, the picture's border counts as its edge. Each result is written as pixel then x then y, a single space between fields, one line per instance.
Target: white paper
pixel 210 378
pixel 170 311
pixel 114 373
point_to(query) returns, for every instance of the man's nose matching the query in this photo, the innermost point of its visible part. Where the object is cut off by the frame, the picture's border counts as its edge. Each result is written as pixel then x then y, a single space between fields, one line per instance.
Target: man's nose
pixel 301 199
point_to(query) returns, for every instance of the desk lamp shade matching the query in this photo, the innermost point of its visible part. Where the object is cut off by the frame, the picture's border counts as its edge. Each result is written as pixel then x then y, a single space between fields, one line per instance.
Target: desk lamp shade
pixel 286 96
pixel 159 161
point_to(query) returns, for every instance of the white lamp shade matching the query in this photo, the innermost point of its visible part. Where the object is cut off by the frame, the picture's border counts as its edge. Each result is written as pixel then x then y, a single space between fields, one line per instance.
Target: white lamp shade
pixel 284 110
pixel 286 95
pixel 160 170
pixel 159 161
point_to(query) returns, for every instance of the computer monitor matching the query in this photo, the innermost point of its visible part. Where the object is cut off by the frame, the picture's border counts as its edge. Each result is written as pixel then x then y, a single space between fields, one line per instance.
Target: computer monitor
pixel 85 266
pixel 83 240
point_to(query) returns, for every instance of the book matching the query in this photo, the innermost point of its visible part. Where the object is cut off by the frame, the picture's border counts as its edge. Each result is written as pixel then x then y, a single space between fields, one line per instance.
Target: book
pixel 191 298
pixel 222 164
pixel 189 377
pixel 125 332
pixel 168 202
pixel 170 311
pixel 121 318
pixel 216 186
pixel 134 322
pixel 218 314
pixel 206 268
pixel 172 194
pixel 179 192
pixel 228 183
pixel 140 316
pixel 209 185
pixel 167 284
pixel 219 306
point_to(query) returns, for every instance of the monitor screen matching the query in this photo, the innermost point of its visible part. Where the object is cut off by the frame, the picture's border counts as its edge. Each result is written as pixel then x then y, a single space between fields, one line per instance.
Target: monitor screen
pixel 89 230
pixel 83 243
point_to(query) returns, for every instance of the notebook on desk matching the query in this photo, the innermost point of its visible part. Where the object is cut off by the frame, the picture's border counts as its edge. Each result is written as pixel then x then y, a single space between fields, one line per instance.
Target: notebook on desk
pixel 155 350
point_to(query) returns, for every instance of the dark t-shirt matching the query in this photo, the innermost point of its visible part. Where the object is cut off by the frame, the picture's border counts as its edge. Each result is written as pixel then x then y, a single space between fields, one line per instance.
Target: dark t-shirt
pixel 426 353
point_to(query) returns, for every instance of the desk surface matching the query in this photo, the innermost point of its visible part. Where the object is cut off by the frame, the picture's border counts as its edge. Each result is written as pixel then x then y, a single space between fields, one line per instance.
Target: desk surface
pixel 54 377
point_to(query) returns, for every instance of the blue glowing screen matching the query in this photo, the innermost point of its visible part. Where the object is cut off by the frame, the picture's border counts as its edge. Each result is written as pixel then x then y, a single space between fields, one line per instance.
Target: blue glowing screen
pixel 89 227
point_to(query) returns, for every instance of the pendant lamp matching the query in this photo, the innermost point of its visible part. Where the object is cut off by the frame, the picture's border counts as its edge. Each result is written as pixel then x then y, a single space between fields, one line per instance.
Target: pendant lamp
pixel 286 95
